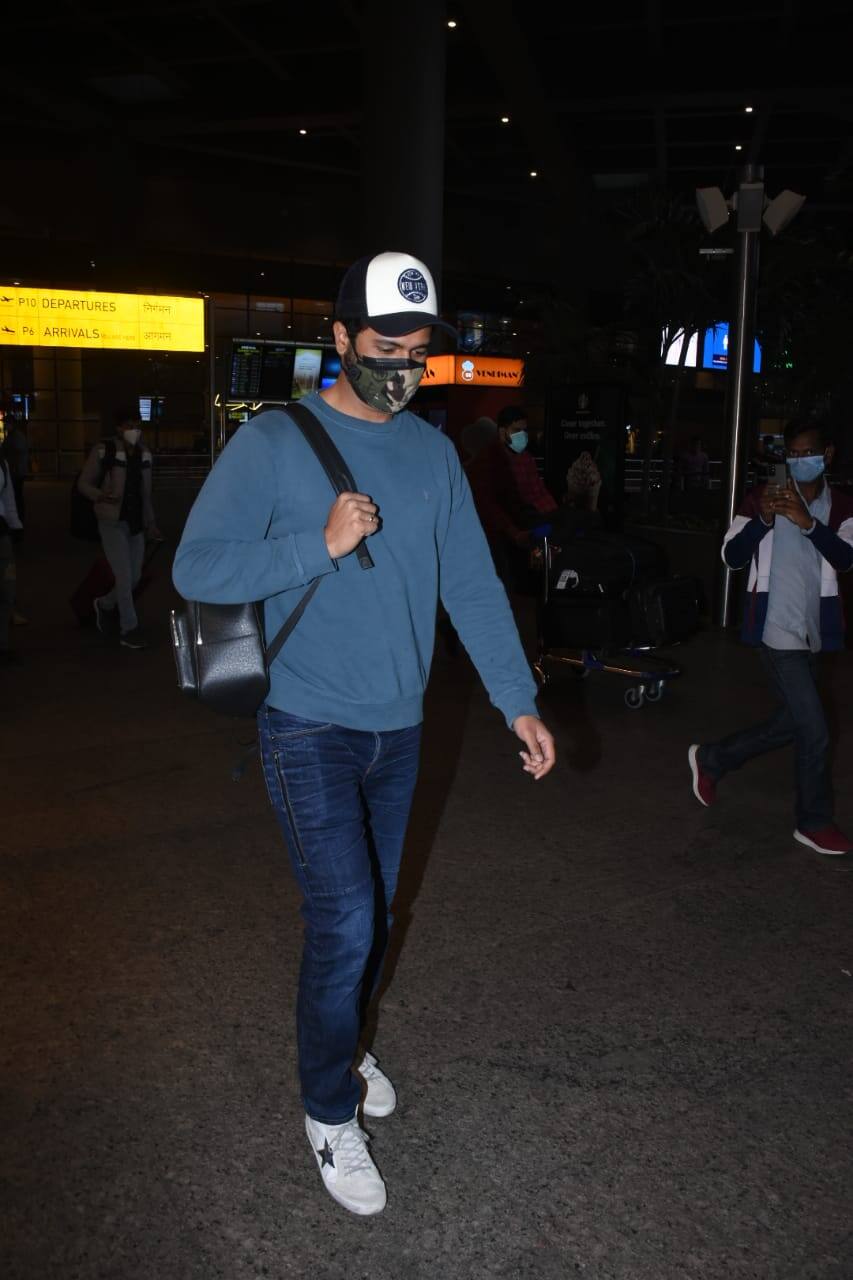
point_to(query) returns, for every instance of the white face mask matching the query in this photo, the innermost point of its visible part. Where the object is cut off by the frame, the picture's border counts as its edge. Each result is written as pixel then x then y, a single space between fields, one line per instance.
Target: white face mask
pixel 132 434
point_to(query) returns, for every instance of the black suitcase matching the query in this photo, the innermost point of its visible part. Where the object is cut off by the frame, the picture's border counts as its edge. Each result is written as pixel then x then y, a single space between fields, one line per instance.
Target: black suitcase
pixel 664 611
pixel 603 564
pixel 589 589
pixel 585 622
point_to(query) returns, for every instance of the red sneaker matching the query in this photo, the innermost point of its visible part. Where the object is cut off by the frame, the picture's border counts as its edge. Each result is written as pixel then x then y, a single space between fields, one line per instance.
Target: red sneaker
pixel 704 787
pixel 826 840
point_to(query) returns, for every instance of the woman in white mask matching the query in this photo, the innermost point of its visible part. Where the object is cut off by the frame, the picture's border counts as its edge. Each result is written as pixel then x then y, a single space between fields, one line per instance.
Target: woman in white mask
pixel 117 478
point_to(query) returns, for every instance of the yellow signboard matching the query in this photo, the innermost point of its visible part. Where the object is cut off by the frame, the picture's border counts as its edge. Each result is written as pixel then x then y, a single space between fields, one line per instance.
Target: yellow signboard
pixel 111 321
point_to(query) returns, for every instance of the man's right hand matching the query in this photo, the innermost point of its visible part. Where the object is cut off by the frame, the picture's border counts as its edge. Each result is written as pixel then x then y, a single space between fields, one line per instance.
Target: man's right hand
pixel 353 517
pixel 766 505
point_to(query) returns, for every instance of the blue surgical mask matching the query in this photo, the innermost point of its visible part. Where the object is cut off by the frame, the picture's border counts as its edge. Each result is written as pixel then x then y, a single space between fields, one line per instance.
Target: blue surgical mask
pixel 518 442
pixel 805 470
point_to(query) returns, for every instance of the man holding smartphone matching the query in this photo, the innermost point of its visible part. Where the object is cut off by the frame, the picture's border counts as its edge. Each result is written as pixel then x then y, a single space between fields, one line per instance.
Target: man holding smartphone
pixel 796 535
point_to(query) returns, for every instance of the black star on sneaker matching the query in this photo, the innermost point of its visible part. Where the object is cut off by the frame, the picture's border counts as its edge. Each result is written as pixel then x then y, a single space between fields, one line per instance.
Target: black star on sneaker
pixel 326 1154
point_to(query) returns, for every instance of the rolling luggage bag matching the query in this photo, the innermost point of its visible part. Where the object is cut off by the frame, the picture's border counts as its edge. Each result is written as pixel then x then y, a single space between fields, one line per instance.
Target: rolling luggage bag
pixel 664 611
pixel 585 622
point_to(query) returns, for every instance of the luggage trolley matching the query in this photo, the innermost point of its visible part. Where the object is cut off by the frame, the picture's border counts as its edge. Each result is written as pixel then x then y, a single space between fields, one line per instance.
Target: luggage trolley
pixel 607 623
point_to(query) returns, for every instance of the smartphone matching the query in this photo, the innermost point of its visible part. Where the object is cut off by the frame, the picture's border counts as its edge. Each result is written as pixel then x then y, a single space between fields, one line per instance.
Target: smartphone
pixel 778 479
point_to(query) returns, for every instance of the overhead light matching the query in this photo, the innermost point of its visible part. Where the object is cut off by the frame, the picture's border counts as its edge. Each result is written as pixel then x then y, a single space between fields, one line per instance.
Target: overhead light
pixel 451 23
pixel 303 132
pixel 738 147
pixel 534 173
pixel 748 110
pixel 263 273
pixel 504 119
pixel 712 207
pixel 782 210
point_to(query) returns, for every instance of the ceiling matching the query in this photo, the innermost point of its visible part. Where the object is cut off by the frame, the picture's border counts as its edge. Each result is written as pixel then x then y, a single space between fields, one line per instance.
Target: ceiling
pixel 153 133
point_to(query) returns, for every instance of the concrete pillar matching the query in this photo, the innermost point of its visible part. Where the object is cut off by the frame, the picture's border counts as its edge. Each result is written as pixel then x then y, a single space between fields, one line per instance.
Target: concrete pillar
pixel 402 139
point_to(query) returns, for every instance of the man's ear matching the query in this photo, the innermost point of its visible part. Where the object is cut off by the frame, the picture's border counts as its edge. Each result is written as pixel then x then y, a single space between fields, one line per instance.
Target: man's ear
pixel 339 332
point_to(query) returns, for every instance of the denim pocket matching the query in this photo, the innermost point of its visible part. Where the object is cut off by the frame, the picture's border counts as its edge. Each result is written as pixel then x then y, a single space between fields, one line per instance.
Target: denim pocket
pixel 281 726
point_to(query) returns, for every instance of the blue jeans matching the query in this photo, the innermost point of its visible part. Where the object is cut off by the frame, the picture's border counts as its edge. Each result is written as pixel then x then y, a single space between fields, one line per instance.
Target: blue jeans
pixel 342 798
pixel 799 718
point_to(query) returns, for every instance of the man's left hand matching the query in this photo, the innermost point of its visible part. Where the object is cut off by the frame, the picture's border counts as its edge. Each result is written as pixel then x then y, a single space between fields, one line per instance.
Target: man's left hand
pixel 788 503
pixel 540 755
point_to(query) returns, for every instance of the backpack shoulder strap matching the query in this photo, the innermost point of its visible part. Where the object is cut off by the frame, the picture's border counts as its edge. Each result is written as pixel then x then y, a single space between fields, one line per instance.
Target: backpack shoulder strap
pixel 329 457
pixel 341 480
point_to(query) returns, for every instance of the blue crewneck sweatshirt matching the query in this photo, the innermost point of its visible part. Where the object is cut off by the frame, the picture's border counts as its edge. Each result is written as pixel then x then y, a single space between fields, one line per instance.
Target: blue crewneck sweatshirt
pixel 361 653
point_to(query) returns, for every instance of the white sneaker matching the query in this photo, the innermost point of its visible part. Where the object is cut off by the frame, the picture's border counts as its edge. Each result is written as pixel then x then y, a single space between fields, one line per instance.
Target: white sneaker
pixel 381 1097
pixel 349 1174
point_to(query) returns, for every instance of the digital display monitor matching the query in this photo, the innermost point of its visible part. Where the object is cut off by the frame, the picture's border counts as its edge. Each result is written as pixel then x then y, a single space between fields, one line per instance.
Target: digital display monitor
pixel 246 361
pixel 673 354
pixel 306 371
pixel 269 372
pixel 151 408
pixel 276 372
pixel 329 369
pixel 715 349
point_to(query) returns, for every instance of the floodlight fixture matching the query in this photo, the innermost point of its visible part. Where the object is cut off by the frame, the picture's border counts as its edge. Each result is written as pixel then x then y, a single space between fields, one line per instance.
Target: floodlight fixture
pixel 782 210
pixel 713 209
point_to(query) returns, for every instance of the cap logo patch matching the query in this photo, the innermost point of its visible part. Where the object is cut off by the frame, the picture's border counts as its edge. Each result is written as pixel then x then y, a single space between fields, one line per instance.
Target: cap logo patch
pixel 412 285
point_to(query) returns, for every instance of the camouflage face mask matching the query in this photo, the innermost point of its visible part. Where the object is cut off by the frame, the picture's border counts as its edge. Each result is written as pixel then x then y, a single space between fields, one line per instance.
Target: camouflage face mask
pixel 385 385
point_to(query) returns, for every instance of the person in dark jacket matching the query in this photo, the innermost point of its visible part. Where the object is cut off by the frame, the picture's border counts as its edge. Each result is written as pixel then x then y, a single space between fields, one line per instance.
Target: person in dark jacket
pixel 796 542
pixel 119 484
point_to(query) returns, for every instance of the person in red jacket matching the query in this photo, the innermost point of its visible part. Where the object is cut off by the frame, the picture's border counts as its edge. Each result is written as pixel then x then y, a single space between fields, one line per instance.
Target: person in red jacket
pixel 535 502
pixel 495 497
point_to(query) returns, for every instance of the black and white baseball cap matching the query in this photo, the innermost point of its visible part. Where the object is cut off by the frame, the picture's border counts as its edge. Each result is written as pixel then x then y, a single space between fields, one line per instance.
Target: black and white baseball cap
pixel 392 293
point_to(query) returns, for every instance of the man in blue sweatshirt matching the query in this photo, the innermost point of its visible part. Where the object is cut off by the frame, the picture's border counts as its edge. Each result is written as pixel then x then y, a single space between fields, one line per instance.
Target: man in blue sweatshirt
pixel 340 732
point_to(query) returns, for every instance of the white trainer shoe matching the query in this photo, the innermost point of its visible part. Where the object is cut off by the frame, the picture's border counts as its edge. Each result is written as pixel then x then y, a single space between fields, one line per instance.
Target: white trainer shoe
pixel 348 1172
pixel 381 1097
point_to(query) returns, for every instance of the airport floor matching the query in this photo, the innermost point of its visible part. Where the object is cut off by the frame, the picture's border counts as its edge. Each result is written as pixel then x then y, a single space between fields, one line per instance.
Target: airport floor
pixel 619 1024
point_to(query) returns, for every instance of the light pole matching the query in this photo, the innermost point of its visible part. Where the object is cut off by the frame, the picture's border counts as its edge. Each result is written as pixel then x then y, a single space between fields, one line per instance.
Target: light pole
pixel 752 208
